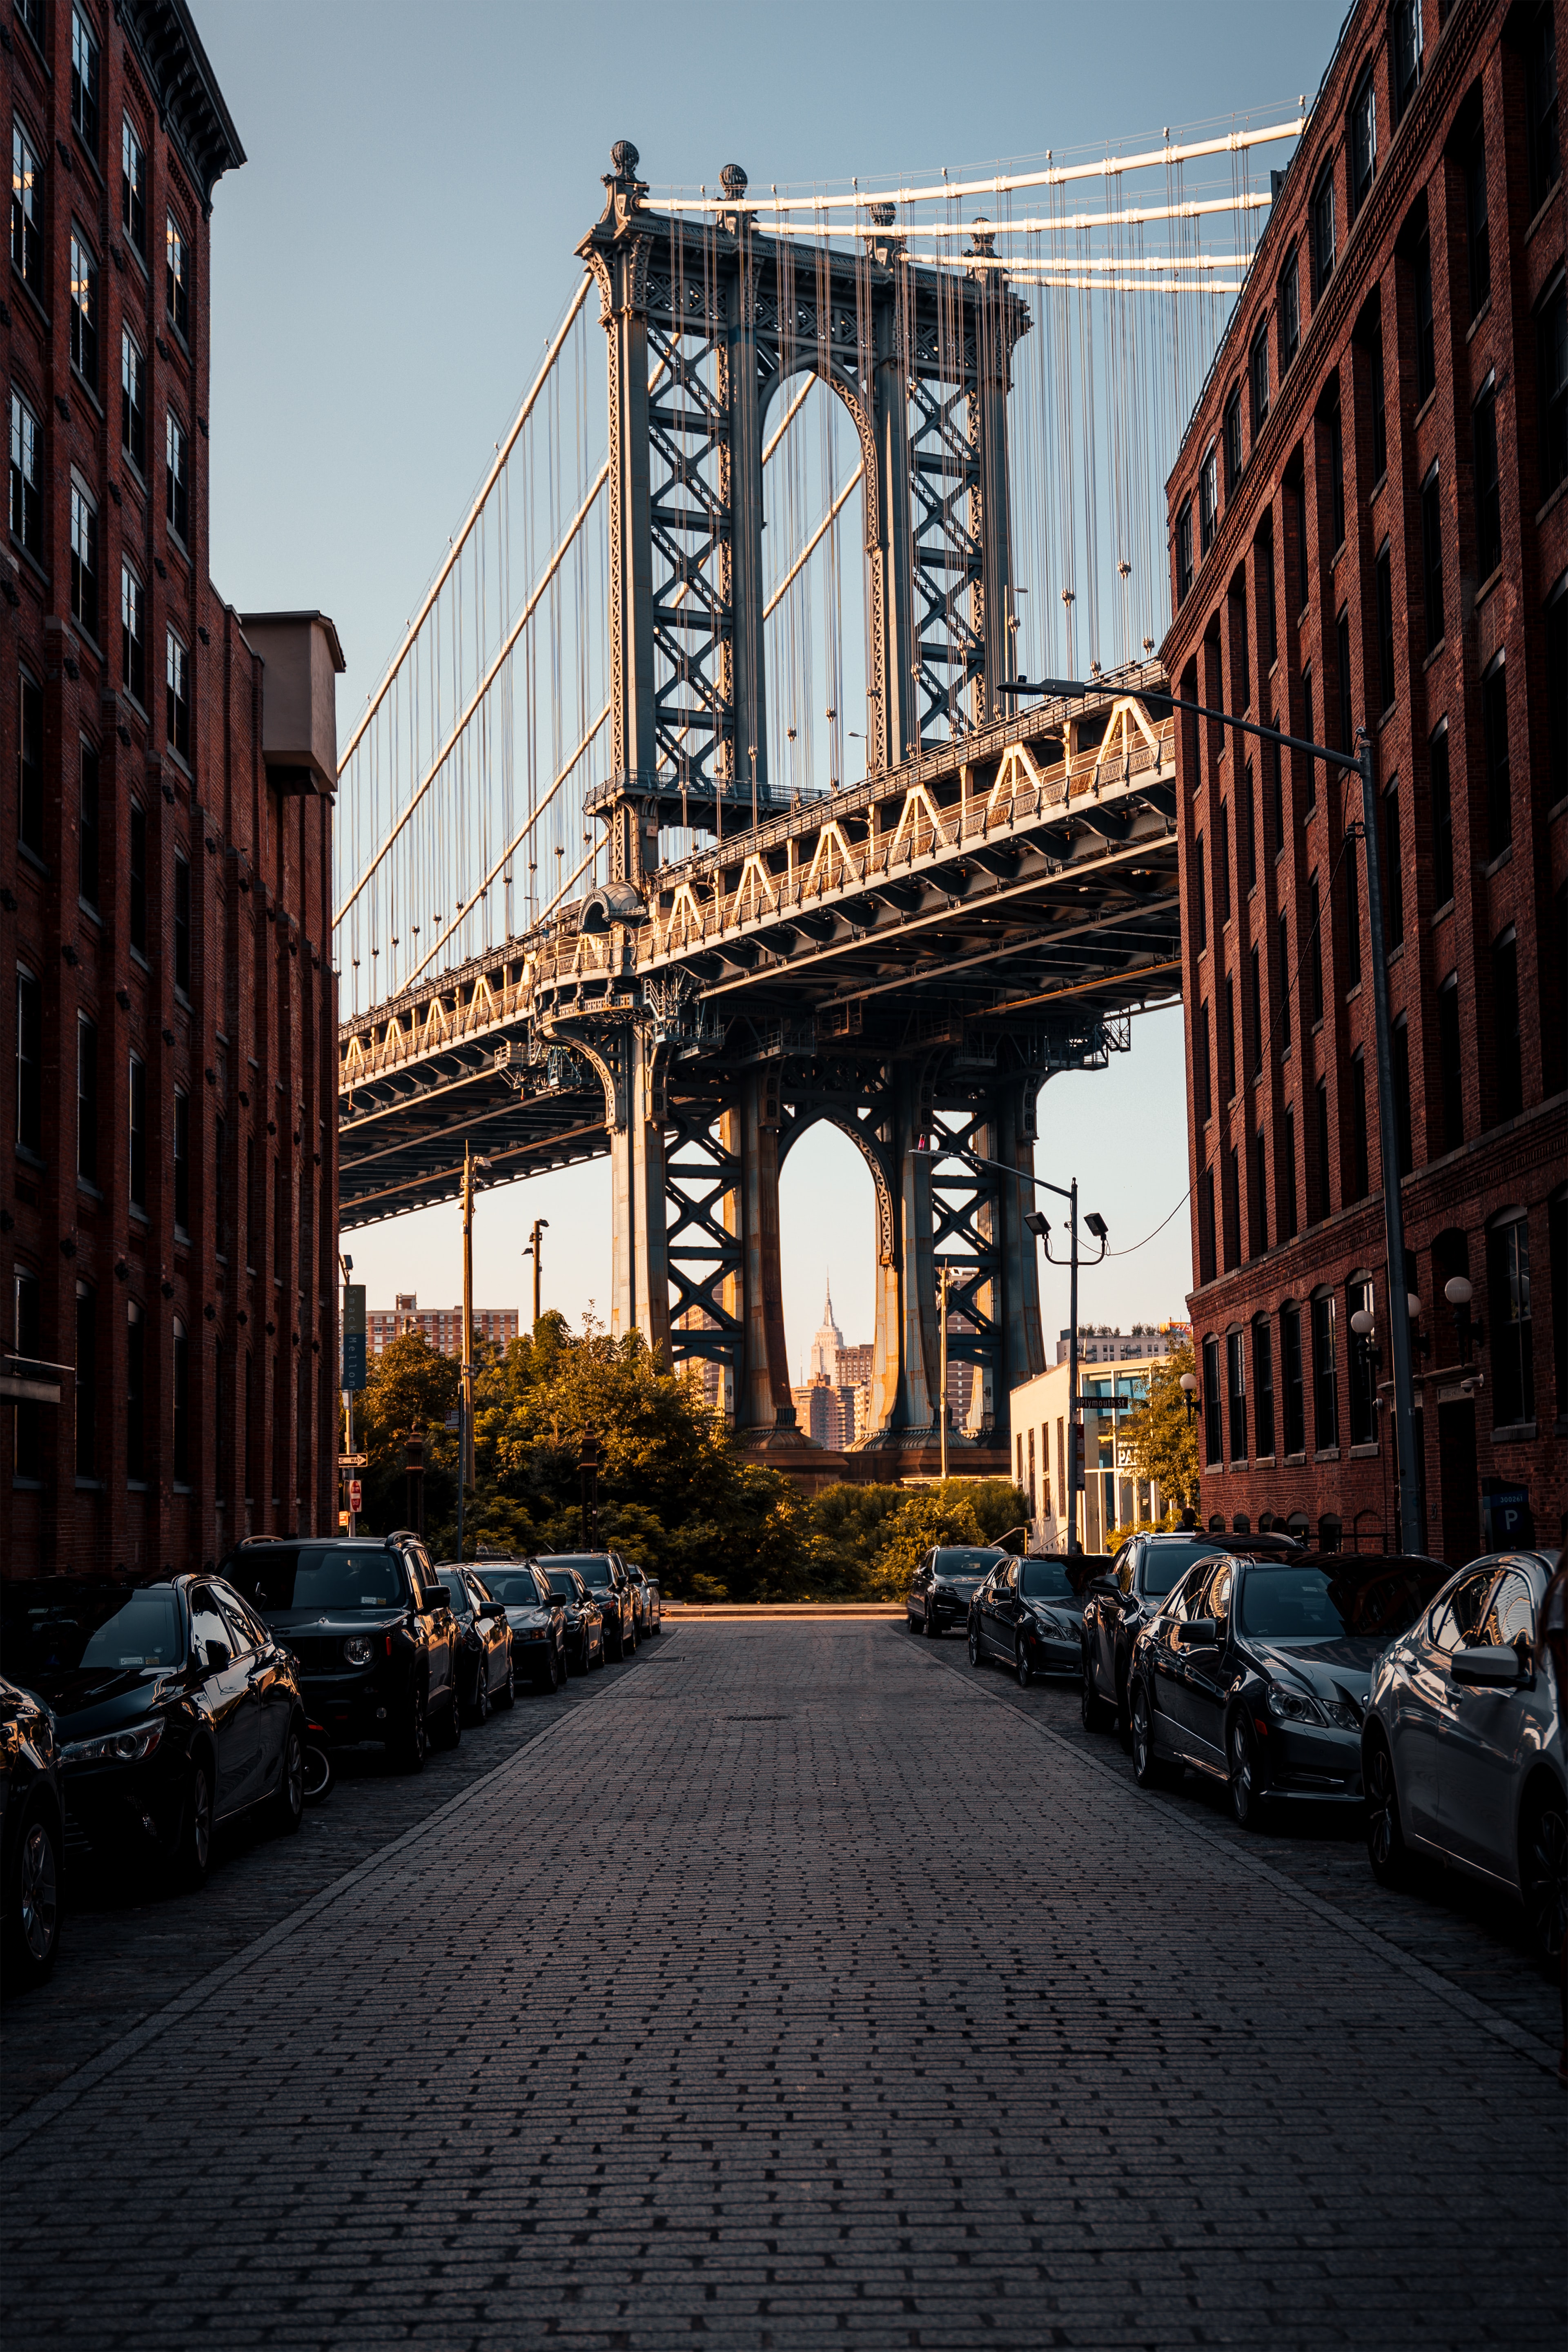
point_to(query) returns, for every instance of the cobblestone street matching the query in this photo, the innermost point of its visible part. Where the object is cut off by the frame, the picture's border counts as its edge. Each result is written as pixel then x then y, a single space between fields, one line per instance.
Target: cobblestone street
pixel 796 1985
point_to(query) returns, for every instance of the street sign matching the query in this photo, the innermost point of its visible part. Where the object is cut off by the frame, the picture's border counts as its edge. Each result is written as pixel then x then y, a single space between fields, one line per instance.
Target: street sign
pixel 353 1461
pixel 356 1496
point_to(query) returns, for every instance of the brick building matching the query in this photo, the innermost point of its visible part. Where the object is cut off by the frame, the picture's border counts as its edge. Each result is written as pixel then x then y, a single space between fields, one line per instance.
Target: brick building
pixel 1369 526
pixel 167 1148
pixel 440 1328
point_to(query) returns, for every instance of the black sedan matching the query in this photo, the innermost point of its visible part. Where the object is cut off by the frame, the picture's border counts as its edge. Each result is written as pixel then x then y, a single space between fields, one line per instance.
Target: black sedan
pixel 175 1707
pixel 1258 1671
pixel 32 1838
pixel 612 1588
pixel 648 1599
pixel 1027 1614
pixel 485 1673
pixel 944 1583
pixel 1119 1604
pixel 367 1620
pixel 535 1622
pixel 582 1619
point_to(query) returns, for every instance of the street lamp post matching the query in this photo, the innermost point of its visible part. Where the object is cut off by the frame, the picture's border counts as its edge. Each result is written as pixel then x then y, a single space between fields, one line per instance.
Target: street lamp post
pixel 944 1276
pixel 535 1249
pixel 471 1166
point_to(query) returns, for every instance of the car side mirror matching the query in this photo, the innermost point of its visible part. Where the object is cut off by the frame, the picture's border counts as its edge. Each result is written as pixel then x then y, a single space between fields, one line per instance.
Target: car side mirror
pixel 218 1655
pixel 1201 1630
pixel 1106 1585
pixel 1491 1668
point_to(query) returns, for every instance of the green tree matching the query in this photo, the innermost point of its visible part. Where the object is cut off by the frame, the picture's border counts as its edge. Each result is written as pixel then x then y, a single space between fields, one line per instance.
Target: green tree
pixel 410 1385
pixel 1161 1438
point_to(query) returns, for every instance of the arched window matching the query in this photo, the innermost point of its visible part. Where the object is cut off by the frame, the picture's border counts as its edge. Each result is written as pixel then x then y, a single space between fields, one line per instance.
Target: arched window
pixel 1213 1429
pixel 1241 1525
pixel 1325 1371
pixel 1329 1531
pixel 1298 1523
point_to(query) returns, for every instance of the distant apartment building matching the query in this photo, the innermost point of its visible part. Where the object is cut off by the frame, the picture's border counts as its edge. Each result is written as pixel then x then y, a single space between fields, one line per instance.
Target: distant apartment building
pixel 440 1328
pixel 1098 1344
pixel 1110 1494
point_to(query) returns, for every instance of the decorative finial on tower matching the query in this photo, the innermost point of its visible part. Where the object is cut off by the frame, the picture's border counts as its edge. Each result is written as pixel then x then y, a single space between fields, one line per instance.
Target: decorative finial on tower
pixel 624 158
pixel 733 182
pixel 982 239
pixel 883 216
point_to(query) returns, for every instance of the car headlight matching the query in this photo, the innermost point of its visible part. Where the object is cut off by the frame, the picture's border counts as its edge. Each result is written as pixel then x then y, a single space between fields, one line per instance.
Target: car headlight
pixel 1293 1707
pixel 127 1747
pixel 359 1649
pixel 1343 1714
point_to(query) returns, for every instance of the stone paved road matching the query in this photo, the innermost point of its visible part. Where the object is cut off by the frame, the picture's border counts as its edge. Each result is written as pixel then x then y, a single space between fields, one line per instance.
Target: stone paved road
pixel 791 1993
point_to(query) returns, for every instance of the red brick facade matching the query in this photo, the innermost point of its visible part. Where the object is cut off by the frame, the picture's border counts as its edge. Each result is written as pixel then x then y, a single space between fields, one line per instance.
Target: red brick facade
pixel 1371 564
pixel 167 1145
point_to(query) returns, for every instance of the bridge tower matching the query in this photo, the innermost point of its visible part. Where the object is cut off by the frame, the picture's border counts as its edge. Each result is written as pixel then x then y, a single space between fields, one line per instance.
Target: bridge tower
pixel 705 321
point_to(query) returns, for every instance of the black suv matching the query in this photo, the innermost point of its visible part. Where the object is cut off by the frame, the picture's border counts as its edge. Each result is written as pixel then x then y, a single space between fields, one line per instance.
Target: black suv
pixel 367 1620
pixel 1118 1605
pixel 611 1587
pixel 944 1584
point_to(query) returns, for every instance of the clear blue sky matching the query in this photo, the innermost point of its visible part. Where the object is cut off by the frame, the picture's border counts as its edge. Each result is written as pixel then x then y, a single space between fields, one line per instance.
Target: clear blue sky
pixel 386 267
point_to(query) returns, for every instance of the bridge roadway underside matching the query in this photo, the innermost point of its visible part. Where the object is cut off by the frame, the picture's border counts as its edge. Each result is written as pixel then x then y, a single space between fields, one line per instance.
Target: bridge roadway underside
pixel 908 960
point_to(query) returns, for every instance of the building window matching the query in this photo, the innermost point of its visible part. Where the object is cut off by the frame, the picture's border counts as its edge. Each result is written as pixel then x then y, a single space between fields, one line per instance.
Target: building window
pixel 1322 233
pixel 1478 227
pixel 1494 726
pixel 84 561
pixel 1342 647
pixel 1255 1009
pixel 1379 401
pixel 1308 725
pixel 1276 786
pixel 1236 1390
pixel 1337 467
pixel 1513 1366
pixel 136 878
pixel 1325 1379
pixel 176 480
pixel 1399 1043
pixel 86 1382
pixel 1259 1220
pixel 1231 1204
pixel 1257 375
pixel 1282 994
pixel 1551 381
pixel 1488 493
pixel 136 1099
pixel 1232 442
pixel 132 402
pixel 1352 919
pixel 1508 1060
pixel 1320 1103
pixel 1289 1219
pixel 1432 559
pixel 1208 499
pixel 133 187
pixel 84 81
pixel 1292 1380
pixel 26 237
pixel 1303 565
pixel 86 835
pixel 1222 873
pixel 1200 895
pixel 181 924
pixel 1449 1066
pixel 30 765
pixel 1362 1383
pixel 26 503
pixel 1201 1059
pixel 1557 698
pixel 1441 818
pixel 1248 812
pixel 1314 951
pixel 177 676
pixel 86 1099
pixel 182 1161
pixel 83 308
pixel 1404 54
pixel 135 1393
pixel 1214 1424
pixel 1361 1175
pixel 27 1336
pixel 1426 328
pixel 1362 143
pixel 180 1399
pixel 1392 873
pixel 29 1063
pixel 132 635
pixel 1540 103
pixel 1268 622
pixel 1184 552
pixel 1290 312
pixel 1205 1226
pixel 176 278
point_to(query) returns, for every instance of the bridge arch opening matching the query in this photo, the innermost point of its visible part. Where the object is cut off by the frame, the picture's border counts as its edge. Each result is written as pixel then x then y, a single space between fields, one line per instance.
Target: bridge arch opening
pixel 829 1247
pixel 815 588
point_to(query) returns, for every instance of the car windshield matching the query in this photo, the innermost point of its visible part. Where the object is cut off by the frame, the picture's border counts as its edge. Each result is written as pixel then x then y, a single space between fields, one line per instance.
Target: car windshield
pixel 562 1580
pixel 1164 1562
pixel 1295 1601
pixel 1045 1579
pixel 967 1567
pixel 513 1586
pixel 319 1576
pixel 593 1569
pixel 106 1628
pixel 456 1591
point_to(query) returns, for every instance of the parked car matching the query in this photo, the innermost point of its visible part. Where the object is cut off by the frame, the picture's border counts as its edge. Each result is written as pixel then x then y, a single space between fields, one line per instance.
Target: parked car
pixel 1120 1602
pixel 483 1644
pixel 583 1618
pixel 648 1599
pixel 1462 1748
pixel 32 1838
pixel 1028 1612
pixel 535 1620
pixel 1257 1670
pixel 945 1583
pixel 606 1577
pixel 368 1622
pixel 175 1709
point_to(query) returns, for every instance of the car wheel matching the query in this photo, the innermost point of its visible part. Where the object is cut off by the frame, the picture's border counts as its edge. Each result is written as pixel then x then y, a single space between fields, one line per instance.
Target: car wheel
pixel 1245 1796
pixel 412 1743
pixel 1543 1879
pixel 1385 1848
pixel 1124 1718
pixel 321 1773
pixel 193 1845
pixel 507 1694
pixel 32 1930
pixel 289 1802
pixel 1023 1666
pixel 1149 1770
pixel 934 1624
pixel 973 1643
pixel 1096 1715
pixel 451 1732
pixel 481 1706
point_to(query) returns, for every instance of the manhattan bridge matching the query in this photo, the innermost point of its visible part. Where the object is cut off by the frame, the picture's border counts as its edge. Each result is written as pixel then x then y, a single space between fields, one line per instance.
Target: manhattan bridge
pixel 750 760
